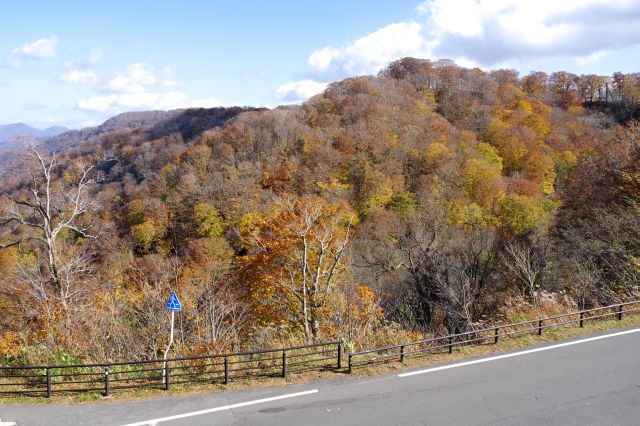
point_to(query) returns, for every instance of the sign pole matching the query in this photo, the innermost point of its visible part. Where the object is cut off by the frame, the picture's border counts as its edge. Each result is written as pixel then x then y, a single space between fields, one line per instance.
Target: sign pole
pixel 166 352
pixel 173 305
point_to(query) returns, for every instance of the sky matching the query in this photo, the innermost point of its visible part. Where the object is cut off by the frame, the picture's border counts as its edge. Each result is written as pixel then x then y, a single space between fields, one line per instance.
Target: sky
pixel 77 63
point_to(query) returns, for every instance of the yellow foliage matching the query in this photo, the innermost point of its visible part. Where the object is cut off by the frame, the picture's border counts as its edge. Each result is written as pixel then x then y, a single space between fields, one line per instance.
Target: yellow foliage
pixel 135 214
pixel 510 149
pixel 566 161
pixel 490 154
pixel 575 109
pixel 10 345
pixel 482 181
pixel 426 104
pixel 377 189
pixel 144 234
pixel 208 220
pixel 334 184
pixel 540 168
pixel 522 213
pixel 538 124
pixel 272 266
pixel 525 106
pixel 436 150
pixel 249 224
pixel 8 260
pixel 461 213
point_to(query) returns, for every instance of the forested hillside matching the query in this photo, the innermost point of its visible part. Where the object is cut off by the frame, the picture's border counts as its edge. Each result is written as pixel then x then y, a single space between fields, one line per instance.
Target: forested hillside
pixel 429 199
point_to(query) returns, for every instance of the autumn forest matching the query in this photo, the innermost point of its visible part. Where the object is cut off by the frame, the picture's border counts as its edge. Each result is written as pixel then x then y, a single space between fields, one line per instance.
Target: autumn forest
pixel 429 199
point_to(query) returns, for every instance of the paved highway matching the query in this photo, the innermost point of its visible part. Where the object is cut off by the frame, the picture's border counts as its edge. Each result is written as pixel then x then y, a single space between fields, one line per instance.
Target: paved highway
pixel 593 379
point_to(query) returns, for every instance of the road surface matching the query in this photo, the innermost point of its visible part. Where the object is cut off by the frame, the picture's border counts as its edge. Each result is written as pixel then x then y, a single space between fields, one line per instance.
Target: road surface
pixel 592 379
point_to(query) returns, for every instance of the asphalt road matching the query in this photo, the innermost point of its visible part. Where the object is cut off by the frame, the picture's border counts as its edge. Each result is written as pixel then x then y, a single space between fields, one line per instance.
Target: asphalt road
pixel 576 382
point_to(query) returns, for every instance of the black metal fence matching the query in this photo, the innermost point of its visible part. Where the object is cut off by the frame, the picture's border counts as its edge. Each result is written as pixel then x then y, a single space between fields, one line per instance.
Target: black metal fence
pixel 159 374
pixel 487 335
pixel 46 380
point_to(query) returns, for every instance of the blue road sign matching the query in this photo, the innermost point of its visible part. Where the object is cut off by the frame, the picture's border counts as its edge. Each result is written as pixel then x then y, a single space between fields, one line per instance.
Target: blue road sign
pixel 173 304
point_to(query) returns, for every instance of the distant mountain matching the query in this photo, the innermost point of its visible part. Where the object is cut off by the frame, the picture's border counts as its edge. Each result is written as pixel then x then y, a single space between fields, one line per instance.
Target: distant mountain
pixel 52 131
pixel 12 134
pixel 120 123
pixel 188 122
pixel 145 125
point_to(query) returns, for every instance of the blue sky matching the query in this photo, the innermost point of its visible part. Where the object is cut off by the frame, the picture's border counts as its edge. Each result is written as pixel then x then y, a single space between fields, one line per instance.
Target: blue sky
pixel 77 63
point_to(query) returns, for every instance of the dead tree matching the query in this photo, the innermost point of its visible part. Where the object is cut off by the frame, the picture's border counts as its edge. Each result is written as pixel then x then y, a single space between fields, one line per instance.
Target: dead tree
pixel 527 261
pixel 36 218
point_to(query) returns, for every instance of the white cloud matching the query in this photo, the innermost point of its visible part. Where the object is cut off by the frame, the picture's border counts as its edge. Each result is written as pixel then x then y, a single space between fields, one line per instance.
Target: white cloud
pixel 295 91
pixel 422 9
pixel 368 54
pixel 490 32
pixel 134 80
pixel 138 88
pixel 40 49
pixel 94 55
pixel 145 101
pixel 592 58
pixel 97 103
pixel 169 83
pixel 77 76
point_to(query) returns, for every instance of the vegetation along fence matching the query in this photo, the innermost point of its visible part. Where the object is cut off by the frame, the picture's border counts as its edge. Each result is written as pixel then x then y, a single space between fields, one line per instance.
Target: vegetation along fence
pixel 45 380
pixel 486 335
pixel 158 374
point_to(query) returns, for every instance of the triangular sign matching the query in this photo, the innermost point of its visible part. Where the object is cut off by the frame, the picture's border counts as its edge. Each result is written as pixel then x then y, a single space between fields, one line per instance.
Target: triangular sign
pixel 173 304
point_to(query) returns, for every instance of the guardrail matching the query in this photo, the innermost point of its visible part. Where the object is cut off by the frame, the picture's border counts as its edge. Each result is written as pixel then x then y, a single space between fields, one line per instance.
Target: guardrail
pixel 105 378
pixel 45 380
pixel 486 335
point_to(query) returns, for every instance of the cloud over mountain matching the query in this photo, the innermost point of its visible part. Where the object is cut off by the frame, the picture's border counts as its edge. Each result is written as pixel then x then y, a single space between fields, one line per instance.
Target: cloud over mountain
pixel 488 33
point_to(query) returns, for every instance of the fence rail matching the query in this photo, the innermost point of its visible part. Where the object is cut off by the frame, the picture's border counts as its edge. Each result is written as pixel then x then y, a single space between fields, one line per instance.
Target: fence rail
pixel 45 380
pixel 487 335
pixel 106 378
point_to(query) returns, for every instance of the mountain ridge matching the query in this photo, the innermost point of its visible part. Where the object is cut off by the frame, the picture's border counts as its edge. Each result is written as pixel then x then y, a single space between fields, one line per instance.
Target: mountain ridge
pixel 12 134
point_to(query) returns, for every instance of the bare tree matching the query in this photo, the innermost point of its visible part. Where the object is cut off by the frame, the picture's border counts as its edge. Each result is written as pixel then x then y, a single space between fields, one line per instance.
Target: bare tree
pixel 304 247
pixel 312 269
pixel 527 260
pixel 223 314
pixel 447 270
pixel 38 216
pixel 453 277
pixel 585 280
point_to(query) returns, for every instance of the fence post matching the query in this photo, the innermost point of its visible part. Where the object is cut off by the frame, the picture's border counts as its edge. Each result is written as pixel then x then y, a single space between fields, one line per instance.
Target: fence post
pixel 340 354
pixel 581 319
pixel 450 345
pixel 350 363
pixel 226 370
pixel 48 372
pixel 497 335
pixel 402 353
pixel 539 327
pixel 106 381
pixel 620 313
pixel 166 375
pixel 284 363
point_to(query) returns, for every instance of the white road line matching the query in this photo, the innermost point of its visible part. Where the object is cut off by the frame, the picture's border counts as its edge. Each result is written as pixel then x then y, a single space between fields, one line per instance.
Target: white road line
pixel 530 351
pixel 224 407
